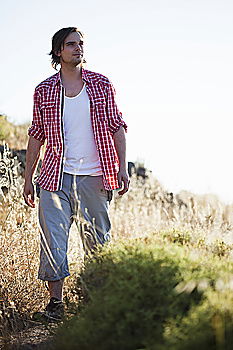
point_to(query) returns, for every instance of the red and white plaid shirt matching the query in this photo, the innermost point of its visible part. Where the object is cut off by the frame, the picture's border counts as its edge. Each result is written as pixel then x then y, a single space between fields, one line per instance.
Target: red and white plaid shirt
pixel 47 125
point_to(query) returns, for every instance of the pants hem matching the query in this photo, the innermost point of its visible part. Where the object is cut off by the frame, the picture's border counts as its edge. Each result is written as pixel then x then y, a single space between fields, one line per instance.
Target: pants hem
pixel 51 279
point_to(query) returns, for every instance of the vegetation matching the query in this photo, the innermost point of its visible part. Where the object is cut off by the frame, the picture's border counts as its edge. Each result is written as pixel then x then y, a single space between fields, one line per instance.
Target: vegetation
pixel 14 135
pixel 152 294
pixel 164 282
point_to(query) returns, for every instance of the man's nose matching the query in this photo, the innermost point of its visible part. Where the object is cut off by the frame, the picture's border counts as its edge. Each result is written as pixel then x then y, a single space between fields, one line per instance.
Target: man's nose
pixel 79 47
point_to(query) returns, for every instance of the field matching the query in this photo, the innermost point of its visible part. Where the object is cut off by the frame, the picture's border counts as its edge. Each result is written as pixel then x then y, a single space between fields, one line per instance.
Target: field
pixel 194 232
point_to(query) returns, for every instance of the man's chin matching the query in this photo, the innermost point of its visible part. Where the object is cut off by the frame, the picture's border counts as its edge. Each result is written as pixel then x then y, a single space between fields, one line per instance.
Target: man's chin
pixel 74 62
pixel 77 62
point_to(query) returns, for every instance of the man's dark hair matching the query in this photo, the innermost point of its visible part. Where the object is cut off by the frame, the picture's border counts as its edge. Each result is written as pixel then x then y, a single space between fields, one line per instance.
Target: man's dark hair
pixel 58 43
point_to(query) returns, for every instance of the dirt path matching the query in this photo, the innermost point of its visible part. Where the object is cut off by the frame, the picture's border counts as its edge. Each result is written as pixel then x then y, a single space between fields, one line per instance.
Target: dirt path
pixel 37 337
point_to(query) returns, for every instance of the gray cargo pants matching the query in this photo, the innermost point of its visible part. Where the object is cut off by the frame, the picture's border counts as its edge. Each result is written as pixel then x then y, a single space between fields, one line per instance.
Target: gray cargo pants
pixel 82 198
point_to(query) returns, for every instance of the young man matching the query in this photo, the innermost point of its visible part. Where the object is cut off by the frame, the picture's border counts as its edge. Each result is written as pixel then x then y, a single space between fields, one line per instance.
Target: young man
pixel 75 112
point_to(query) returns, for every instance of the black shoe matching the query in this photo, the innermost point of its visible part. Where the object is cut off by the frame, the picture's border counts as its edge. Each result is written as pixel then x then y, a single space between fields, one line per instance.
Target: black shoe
pixel 54 312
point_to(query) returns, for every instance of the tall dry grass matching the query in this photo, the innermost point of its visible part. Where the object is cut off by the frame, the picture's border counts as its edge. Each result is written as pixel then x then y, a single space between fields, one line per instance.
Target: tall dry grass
pixel 14 135
pixel 149 208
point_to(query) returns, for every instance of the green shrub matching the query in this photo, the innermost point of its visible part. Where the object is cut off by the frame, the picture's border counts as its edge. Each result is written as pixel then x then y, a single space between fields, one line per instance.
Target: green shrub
pixel 178 236
pixel 220 248
pixel 207 326
pixel 144 297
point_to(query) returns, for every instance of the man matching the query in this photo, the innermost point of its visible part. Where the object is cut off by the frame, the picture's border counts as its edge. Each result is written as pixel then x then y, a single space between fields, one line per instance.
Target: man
pixel 75 112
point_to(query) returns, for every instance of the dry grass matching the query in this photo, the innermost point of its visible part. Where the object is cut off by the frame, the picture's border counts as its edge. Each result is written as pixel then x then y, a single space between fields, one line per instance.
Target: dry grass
pixel 148 208
pixel 14 135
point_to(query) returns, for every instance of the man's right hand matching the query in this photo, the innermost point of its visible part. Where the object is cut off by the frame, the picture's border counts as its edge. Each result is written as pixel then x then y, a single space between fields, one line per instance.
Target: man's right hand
pixel 28 194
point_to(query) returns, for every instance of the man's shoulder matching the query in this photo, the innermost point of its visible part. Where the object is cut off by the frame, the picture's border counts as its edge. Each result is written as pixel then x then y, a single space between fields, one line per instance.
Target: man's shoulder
pixel 96 77
pixel 48 83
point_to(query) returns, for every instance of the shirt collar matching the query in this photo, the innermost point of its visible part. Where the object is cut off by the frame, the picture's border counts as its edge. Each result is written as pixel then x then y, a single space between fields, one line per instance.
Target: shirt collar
pixel 83 72
pixel 85 75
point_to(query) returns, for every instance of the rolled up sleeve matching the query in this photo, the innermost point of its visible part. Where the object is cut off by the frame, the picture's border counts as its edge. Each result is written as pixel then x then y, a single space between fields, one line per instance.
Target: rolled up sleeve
pixel 37 130
pixel 114 115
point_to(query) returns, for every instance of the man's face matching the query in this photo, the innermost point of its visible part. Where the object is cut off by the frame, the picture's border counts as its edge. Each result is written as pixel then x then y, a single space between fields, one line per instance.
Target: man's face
pixel 72 51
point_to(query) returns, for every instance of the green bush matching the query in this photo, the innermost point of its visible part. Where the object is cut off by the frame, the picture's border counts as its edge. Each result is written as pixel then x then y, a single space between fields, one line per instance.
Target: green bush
pixel 207 326
pixel 142 296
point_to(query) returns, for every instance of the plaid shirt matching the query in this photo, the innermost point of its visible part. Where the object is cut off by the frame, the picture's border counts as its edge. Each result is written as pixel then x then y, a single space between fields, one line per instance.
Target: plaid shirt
pixel 47 125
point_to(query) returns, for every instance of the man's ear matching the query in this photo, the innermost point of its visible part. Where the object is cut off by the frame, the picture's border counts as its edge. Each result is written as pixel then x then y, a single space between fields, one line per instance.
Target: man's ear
pixel 58 53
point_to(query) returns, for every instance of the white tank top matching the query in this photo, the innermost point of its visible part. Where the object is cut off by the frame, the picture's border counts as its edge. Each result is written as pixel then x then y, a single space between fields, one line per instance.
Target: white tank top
pixel 81 156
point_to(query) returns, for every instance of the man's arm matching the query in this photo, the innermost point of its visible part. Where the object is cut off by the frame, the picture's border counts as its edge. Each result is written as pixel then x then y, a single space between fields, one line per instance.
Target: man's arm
pixel 115 119
pixel 32 158
pixel 120 145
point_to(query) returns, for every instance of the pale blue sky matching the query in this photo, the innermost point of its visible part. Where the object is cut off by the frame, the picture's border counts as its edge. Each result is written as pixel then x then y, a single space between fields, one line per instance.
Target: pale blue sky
pixel 170 61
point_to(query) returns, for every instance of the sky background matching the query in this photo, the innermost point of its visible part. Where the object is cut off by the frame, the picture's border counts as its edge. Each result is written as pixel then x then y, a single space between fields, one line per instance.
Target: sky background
pixel 171 62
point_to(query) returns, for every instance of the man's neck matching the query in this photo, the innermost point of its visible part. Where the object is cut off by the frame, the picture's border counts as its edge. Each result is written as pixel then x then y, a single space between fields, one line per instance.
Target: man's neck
pixel 71 74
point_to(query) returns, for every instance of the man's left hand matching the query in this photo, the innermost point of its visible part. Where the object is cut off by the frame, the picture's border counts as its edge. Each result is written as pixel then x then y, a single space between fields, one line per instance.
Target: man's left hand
pixel 123 179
